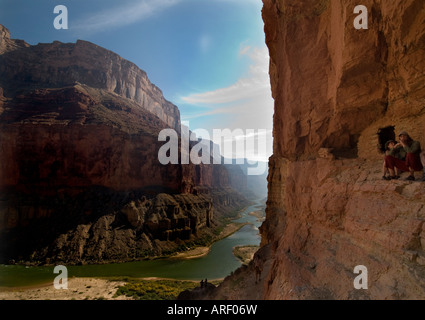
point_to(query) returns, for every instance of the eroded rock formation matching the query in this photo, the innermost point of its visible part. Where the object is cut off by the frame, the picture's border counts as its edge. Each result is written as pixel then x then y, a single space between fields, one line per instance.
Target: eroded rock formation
pixel 80 178
pixel 144 228
pixel 339 94
pixel 58 65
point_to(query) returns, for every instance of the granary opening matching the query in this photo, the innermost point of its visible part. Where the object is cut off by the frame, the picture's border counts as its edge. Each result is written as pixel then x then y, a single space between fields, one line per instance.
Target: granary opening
pixel 384 135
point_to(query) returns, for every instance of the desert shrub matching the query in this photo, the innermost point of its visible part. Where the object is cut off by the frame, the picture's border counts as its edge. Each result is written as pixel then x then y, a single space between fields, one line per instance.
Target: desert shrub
pixel 155 290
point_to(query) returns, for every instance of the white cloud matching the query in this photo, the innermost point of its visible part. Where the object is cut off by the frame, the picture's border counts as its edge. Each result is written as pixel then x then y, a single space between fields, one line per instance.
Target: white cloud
pixel 256 84
pixel 254 134
pixel 123 15
pixel 210 112
pixel 247 104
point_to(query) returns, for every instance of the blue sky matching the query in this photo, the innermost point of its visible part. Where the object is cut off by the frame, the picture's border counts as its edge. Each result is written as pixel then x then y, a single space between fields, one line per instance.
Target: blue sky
pixel 207 56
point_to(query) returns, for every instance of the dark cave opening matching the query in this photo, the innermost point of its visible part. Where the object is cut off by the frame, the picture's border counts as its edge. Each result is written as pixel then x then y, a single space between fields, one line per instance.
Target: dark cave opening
pixel 384 135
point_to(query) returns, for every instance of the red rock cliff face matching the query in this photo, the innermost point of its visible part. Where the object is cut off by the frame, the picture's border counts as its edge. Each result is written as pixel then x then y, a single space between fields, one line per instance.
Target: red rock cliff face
pixel 79 131
pixel 78 115
pixel 335 87
pixel 56 65
pixel 89 138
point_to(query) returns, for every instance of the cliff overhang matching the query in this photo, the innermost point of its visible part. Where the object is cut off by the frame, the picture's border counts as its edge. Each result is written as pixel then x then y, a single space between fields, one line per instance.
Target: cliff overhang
pixel 340 93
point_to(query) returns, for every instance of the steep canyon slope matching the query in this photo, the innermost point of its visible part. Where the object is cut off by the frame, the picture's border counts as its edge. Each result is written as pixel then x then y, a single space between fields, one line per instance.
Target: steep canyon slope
pixel 80 179
pixel 340 93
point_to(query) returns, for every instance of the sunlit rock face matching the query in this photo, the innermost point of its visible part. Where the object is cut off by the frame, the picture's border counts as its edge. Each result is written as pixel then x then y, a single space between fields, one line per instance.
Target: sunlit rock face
pixel 340 93
pixel 56 65
pixel 79 130
pixel 335 87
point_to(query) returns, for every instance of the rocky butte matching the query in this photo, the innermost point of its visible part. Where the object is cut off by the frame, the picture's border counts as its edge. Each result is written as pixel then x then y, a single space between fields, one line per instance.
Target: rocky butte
pixel 80 179
pixel 340 93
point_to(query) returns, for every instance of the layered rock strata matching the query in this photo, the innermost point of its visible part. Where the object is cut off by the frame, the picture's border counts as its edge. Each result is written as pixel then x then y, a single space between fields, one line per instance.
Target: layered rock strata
pixel 58 65
pixel 327 216
pixel 80 178
pixel 340 93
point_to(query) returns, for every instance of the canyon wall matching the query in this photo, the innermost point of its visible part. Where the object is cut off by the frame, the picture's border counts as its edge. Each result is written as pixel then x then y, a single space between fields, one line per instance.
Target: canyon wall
pixel 335 87
pixel 340 93
pixel 57 65
pixel 80 178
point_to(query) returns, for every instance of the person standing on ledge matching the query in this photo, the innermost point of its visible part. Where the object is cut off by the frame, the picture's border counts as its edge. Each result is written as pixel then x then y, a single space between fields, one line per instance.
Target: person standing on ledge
pixel 413 158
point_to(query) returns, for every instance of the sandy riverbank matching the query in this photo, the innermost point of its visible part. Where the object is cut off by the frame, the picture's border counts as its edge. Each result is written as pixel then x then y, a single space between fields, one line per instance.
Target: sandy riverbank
pixel 259 214
pixel 78 289
pixel 200 252
pixel 245 253
pixel 81 289
pixel 94 288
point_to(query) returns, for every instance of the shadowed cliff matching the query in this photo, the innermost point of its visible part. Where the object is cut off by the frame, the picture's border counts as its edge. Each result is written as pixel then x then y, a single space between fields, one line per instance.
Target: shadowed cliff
pixel 340 93
pixel 80 179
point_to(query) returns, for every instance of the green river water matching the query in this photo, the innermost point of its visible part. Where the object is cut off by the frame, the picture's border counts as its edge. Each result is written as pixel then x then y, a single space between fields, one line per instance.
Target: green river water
pixel 219 263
